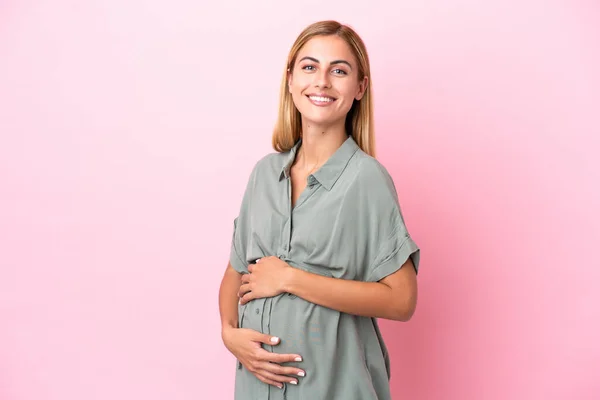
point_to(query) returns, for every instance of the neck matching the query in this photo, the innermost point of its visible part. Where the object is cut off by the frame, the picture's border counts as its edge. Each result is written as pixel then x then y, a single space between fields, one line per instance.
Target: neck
pixel 318 144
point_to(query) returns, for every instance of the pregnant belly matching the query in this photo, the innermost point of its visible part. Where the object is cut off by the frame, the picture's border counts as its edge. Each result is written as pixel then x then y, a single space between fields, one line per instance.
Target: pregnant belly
pixel 328 341
pixel 318 334
pixel 298 323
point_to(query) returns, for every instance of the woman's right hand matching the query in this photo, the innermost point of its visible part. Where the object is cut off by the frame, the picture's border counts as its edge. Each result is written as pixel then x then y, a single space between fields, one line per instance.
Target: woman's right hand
pixel 245 345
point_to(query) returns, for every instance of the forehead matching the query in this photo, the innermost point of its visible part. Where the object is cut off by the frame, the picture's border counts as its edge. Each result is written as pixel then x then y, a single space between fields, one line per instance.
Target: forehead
pixel 327 48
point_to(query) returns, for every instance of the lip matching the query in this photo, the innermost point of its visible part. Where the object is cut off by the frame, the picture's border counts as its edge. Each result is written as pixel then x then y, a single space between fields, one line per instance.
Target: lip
pixel 321 104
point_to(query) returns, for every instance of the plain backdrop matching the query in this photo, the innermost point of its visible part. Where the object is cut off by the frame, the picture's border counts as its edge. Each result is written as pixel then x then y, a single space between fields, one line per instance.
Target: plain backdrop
pixel 128 130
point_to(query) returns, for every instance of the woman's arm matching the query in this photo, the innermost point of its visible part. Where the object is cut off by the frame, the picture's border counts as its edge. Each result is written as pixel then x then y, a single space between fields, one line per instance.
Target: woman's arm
pixel 228 305
pixel 394 297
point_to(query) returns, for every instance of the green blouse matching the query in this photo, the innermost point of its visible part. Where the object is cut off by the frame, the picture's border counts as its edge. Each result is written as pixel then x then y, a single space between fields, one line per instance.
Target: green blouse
pixel 347 224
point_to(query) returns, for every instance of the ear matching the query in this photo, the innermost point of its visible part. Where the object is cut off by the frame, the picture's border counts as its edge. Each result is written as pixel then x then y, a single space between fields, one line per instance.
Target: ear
pixel 362 88
pixel 289 80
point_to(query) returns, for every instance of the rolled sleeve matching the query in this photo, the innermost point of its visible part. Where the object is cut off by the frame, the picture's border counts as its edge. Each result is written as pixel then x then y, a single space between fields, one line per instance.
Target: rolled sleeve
pixel 393 253
pixel 390 243
pixel 236 256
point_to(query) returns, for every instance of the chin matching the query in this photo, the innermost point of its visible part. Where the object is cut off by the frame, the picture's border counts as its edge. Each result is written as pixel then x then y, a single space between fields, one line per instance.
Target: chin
pixel 320 119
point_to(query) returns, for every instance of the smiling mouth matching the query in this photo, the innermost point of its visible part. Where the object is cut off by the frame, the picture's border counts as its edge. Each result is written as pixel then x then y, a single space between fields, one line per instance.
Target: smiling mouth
pixel 320 100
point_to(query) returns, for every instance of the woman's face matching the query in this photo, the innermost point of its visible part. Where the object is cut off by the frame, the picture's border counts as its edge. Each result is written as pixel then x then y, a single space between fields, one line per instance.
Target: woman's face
pixel 324 81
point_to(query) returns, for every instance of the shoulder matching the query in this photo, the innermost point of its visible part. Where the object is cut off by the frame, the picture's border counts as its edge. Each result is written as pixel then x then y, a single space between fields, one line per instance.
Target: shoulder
pixel 271 161
pixel 373 178
pixel 268 165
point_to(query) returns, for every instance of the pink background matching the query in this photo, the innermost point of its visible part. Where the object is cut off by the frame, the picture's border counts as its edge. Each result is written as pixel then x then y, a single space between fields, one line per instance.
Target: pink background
pixel 127 133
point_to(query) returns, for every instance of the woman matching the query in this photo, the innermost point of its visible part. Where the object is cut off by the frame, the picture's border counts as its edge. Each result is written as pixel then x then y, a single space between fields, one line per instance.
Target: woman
pixel 320 248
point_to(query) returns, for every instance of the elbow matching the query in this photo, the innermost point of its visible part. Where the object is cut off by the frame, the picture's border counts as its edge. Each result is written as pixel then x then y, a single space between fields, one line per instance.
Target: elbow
pixel 401 299
pixel 405 309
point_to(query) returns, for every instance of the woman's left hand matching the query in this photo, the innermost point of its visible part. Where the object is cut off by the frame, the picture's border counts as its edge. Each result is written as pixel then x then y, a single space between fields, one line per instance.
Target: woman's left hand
pixel 266 279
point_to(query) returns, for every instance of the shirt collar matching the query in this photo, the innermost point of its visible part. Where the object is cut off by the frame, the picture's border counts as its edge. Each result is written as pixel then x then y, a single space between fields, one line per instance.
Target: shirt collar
pixel 329 172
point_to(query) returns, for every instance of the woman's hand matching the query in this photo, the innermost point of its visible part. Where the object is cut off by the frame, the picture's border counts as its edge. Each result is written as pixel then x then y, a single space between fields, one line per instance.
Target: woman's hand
pixel 267 278
pixel 245 345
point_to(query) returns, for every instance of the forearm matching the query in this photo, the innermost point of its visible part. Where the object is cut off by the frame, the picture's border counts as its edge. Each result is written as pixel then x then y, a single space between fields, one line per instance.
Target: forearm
pixel 367 299
pixel 228 298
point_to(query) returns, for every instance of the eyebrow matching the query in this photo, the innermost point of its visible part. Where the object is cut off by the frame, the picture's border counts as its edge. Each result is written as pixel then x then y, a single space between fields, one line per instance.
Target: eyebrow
pixel 331 63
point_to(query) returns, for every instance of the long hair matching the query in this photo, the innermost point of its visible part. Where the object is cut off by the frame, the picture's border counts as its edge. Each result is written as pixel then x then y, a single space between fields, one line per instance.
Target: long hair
pixel 359 120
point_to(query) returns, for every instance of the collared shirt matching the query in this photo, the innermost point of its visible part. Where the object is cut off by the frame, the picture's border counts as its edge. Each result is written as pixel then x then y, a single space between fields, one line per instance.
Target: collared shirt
pixel 346 224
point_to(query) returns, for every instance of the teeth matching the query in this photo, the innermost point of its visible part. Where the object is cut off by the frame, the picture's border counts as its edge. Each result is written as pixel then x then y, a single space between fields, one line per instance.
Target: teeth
pixel 321 99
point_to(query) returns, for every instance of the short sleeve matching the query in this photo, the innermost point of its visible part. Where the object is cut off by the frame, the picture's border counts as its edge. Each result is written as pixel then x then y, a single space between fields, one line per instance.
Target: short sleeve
pixel 393 252
pixel 394 243
pixel 241 229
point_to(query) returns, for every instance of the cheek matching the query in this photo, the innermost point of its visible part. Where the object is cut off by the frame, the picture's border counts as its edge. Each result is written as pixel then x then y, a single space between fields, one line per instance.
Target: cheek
pixel 349 91
pixel 297 91
pixel 348 95
pixel 297 99
pixel 298 86
pixel 346 103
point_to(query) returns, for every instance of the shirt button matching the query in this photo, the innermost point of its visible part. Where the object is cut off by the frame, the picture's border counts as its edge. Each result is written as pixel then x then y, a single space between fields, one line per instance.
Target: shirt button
pixel 257 311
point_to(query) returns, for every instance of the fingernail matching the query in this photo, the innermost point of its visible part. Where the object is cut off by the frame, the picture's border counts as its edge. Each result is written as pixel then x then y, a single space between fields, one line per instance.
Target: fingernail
pixel 280 387
pixel 274 339
pixel 301 373
pixel 298 359
pixel 293 382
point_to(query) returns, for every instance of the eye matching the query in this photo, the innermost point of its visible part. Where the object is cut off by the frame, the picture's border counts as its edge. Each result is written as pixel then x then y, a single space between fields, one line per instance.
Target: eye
pixel 338 71
pixel 308 68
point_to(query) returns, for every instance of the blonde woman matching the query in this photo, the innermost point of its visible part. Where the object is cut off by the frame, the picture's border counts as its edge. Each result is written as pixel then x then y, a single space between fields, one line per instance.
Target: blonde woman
pixel 320 249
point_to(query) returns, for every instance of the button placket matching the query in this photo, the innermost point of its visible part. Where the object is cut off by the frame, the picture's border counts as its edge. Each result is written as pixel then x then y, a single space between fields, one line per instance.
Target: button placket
pixel 285 239
pixel 286 235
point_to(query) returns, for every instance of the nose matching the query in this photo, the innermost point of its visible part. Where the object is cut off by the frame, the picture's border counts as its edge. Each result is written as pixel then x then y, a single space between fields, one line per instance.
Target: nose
pixel 322 79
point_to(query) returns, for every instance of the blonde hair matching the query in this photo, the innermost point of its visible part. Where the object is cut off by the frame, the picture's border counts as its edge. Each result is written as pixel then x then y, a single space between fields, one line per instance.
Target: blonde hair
pixel 359 120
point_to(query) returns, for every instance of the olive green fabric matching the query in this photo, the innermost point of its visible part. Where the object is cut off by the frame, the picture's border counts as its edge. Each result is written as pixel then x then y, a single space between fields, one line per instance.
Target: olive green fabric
pixel 347 224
